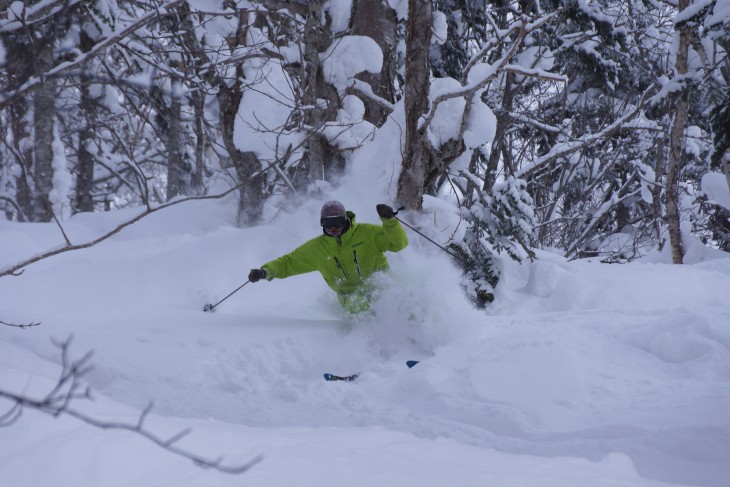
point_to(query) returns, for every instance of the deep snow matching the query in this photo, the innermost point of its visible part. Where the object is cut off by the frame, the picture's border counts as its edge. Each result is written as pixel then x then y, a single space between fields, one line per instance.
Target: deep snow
pixel 580 374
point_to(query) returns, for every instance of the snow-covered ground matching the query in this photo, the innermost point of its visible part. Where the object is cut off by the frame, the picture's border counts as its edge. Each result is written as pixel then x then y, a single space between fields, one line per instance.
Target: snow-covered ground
pixel 581 374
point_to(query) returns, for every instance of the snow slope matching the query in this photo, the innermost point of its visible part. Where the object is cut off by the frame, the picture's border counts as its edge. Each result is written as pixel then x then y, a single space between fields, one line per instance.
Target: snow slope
pixel 580 374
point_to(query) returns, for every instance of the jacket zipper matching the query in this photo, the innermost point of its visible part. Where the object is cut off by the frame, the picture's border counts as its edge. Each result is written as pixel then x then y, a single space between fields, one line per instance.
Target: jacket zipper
pixel 339 266
pixel 357 264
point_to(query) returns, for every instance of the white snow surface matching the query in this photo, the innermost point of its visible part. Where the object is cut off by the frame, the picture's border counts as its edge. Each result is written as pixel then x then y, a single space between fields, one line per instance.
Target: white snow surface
pixel 339 12
pixel 715 186
pixel 349 56
pixel 580 374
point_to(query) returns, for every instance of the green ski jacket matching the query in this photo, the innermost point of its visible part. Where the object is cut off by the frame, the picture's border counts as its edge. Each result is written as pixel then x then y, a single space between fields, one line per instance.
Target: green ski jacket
pixel 345 262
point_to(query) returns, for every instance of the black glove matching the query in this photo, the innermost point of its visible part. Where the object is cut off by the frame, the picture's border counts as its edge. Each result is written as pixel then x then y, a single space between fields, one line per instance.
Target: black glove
pixel 385 211
pixel 256 275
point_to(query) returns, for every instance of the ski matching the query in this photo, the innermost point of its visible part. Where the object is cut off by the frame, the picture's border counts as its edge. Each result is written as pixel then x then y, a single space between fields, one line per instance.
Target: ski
pixel 349 378
pixel 346 378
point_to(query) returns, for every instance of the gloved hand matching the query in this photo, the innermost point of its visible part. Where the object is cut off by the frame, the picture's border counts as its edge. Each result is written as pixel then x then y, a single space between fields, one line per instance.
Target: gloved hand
pixel 385 211
pixel 256 275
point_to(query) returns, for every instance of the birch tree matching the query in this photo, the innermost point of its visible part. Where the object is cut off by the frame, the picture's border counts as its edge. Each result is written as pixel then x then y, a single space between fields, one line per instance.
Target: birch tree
pixel 676 141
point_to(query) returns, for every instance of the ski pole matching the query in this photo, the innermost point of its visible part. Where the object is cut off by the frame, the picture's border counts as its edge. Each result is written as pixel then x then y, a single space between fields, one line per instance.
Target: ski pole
pixel 460 259
pixel 209 307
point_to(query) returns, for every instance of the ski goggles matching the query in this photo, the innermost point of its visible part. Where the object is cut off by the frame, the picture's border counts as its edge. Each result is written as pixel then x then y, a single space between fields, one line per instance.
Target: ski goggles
pixel 333 221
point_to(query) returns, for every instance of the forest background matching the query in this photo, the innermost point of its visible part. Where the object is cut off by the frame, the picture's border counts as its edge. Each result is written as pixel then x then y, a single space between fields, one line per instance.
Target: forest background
pixel 598 128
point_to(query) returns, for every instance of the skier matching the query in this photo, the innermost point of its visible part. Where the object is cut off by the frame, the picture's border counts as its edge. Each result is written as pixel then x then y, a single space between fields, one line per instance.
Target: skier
pixel 346 255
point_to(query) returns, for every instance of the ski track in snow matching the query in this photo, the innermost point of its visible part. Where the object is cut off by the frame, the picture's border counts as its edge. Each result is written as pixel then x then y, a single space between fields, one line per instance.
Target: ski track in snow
pixel 572 362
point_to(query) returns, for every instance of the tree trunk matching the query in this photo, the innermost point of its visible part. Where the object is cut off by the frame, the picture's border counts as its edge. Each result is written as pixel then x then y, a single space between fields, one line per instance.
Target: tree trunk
pixel 85 159
pixel 676 139
pixel 44 113
pixel 377 20
pixel 418 150
pixel 656 191
pixel 201 141
pixel 726 169
pixel 314 157
pixel 320 159
pixel 84 200
pixel 676 145
pixel 246 164
pixel 195 60
pixel 22 150
pixel 178 171
pixel 251 197
pixel 499 146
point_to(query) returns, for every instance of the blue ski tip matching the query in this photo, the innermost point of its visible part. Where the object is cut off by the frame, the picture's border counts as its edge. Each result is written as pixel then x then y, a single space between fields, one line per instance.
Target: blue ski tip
pixel 411 363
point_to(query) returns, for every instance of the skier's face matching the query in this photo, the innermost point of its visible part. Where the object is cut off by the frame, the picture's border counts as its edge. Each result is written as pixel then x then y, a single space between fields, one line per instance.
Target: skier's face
pixel 334 225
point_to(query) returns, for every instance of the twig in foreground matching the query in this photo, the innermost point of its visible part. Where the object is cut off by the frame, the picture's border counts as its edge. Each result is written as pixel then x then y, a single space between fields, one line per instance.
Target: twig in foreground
pixel 69 387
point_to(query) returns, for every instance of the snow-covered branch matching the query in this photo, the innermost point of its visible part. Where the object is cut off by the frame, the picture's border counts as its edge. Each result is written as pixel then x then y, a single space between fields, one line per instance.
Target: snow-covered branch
pixel 9 96
pixel 622 194
pixel 365 91
pixel 29 15
pixel 471 89
pixel 535 73
pixel 563 150
pixel 502 35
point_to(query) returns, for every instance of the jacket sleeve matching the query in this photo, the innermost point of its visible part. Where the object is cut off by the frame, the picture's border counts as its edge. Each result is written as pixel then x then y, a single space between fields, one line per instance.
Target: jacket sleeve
pixel 393 238
pixel 299 261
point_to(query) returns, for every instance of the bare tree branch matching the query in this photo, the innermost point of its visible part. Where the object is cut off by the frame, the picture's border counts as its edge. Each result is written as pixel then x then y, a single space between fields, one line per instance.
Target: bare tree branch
pixel 66 248
pixel 21 325
pixel 70 387
pixel 18 269
pixel 14 205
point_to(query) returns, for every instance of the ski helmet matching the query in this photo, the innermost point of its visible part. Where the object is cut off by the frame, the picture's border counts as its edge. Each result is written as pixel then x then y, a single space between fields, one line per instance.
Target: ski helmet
pixel 332 208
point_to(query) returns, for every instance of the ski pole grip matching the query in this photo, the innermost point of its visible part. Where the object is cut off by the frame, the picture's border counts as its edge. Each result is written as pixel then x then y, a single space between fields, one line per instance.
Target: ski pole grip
pixel 398 210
